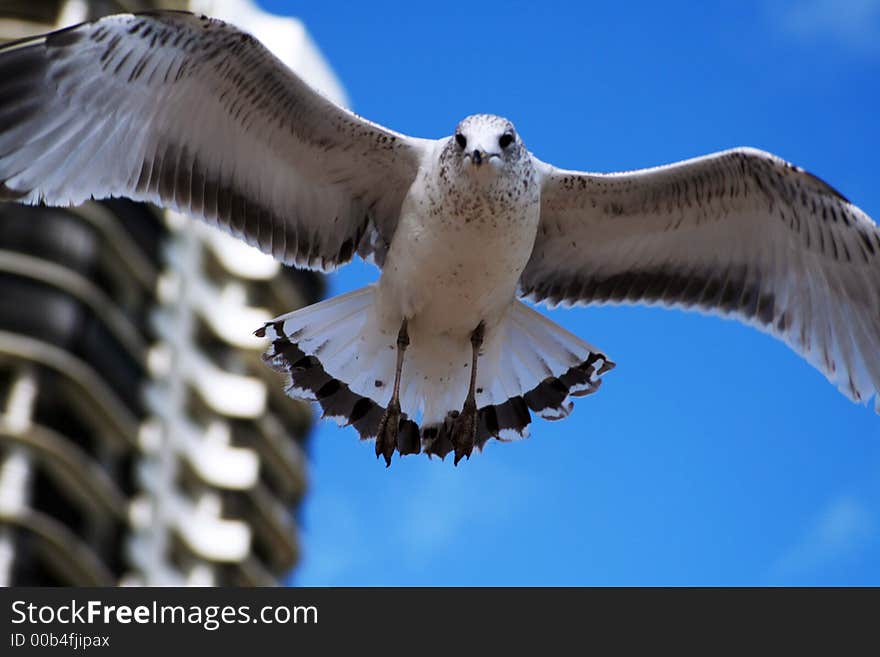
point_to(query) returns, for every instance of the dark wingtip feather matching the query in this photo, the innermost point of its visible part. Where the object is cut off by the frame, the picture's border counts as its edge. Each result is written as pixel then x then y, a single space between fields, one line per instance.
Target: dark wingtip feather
pixel 65 37
pixel 7 194
pixel 831 191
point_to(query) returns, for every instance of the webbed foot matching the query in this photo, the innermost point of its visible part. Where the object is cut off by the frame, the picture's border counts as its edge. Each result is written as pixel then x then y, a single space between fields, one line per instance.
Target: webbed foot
pixel 386 435
pixel 464 431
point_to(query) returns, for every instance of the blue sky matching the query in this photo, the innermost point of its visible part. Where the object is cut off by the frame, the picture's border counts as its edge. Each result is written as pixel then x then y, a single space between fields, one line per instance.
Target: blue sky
pixel 736 463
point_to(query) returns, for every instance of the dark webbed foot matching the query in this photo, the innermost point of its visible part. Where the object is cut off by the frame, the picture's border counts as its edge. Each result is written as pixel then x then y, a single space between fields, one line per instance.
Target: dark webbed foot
pixel 386 435
pixel 464 431
pixel 389 424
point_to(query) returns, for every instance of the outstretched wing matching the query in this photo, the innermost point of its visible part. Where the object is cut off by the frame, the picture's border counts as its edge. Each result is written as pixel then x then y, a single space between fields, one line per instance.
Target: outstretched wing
pixel 191 113
pixel 739 233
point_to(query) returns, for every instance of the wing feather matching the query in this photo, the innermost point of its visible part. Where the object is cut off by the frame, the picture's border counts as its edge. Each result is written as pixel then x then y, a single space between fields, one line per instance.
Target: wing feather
pixel 191 113
pixel 740 233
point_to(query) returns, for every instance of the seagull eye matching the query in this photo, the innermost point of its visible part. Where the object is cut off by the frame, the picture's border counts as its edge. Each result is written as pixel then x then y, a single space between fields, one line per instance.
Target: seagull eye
pixel 505 140
pixel 461 140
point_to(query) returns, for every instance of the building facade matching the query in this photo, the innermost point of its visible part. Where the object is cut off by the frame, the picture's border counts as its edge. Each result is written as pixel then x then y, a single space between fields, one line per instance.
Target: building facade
pixel 142 440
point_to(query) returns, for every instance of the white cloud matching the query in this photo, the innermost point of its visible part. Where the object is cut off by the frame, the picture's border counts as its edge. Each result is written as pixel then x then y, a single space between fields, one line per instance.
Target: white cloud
pixel 840 531
pixel 852 24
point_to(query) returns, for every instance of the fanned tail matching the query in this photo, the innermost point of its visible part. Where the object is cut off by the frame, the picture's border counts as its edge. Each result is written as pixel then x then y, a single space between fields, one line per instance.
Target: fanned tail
pixel 334 354
pixel 340 355
pixel 529 364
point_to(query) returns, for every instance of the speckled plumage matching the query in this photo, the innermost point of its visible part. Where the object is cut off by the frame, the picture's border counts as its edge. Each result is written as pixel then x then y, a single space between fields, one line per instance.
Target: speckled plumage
pixel 190 113
pixel 452 217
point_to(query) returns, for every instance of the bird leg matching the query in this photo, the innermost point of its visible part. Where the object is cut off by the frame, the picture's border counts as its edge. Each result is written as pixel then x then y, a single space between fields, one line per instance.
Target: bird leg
pixel 464 429
pixel 389 424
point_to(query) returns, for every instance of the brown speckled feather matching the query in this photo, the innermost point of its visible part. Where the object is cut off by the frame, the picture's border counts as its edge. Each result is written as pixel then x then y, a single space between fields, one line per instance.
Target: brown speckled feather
pixel 740 233
pixel 191 113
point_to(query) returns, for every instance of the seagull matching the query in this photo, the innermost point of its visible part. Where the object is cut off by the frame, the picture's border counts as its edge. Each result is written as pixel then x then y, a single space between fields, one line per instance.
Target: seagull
pixel 441 354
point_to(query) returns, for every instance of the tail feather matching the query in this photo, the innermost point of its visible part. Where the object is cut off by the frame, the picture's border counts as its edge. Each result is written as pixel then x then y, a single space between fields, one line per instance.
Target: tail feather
pixel 338 354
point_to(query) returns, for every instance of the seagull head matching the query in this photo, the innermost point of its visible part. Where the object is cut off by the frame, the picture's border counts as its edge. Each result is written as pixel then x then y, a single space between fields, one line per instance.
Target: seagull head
pixel 484 144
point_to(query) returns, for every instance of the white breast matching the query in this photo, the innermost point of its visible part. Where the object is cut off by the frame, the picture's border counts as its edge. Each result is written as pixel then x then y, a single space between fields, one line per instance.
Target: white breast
pixel 460 248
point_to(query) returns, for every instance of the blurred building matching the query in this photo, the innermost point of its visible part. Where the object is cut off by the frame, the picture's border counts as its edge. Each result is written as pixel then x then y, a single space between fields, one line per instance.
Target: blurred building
pixel 142 440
